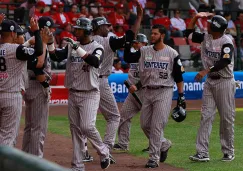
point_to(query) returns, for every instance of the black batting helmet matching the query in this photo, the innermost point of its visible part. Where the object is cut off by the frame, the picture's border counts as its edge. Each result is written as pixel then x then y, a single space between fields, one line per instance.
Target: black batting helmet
pixel 218 24
pixel 84 24
pixel 142 38
pixel 98 21
pixel 178 114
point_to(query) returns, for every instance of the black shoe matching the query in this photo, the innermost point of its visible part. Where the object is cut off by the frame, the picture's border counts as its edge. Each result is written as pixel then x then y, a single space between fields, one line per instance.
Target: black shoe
pixel 163 155
pixel 87 157
pixel 105 163
pixel 199 157
pixel 228 157
pixel 118 148
pixel 112 160
pixel 146 150
pixel 152 164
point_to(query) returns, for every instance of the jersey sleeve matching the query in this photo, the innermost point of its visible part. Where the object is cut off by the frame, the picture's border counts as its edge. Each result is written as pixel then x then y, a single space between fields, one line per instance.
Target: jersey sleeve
pixel 226 57
pixel 59 54
pixel 26 53
pixel 178 70
pixel 117 42
pixel 197 37
pixel 95 58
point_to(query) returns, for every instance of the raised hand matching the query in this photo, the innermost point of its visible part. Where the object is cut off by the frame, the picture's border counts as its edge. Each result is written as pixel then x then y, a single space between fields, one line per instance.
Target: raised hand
pixel 204 15
pixel 139 8
pixel 33 25
pixel 2 17
pixel 45 35
pixel 71 42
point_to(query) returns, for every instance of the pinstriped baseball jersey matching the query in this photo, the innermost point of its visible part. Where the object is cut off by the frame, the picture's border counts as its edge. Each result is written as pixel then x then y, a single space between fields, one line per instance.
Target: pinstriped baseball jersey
pixel 211 53
pixel 106 65
pixel 133 73
pixel 10 68
pixel 80 75
pixel 25 79
pixel 156 66
pixel 34 86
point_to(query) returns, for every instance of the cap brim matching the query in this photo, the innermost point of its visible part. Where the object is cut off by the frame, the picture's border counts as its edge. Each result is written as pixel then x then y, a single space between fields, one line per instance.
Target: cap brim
pixel 55 26
pixel 77 27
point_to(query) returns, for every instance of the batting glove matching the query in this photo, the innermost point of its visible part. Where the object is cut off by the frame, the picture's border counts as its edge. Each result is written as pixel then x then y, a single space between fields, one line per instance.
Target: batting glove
pixel 72 43
pixel 181 100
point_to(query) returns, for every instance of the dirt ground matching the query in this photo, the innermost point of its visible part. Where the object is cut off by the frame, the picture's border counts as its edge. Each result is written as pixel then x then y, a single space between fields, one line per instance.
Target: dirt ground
pixel 58 149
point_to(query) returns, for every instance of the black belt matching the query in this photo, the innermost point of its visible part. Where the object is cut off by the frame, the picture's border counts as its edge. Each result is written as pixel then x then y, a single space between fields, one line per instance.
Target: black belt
pixel 214 77
pixel 103 76
pixel 82 90
pixel 32 78
pixel 154 88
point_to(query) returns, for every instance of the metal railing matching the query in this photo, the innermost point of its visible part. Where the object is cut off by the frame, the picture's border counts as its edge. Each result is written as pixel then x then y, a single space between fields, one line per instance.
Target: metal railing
pixel 12 159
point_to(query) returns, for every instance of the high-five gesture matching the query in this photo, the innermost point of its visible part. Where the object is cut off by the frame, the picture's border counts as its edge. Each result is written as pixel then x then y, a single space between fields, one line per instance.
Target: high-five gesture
pixel 204 15
pixel 138 21
pixel 45 35
pixel 33 25
pixel 2 16
pixel 139 9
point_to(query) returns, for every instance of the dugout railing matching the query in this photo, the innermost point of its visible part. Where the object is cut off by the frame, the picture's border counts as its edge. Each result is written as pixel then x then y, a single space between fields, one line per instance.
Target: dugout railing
pixel 12 159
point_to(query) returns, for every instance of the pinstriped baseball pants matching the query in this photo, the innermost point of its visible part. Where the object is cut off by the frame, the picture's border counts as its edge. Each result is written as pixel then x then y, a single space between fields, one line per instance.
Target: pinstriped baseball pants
pixel 36 123
pixel 129 109
pixel 82 112
pixel 109 110
pixel 154 117
pixel 10 113
pixel 217 94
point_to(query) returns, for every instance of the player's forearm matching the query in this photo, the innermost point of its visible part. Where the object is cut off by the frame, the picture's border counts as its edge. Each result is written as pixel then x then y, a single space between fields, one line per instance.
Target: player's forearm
pixel 41 59
pixel 137 24
pixel 180 87
pixel 192 23
pixel 38 44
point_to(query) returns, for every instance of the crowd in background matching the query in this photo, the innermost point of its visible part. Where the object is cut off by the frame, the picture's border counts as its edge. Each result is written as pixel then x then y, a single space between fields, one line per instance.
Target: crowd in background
pixel 122 14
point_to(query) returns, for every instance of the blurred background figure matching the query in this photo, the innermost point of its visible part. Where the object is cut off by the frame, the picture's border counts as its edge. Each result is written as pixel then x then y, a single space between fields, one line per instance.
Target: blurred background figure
pixel 117 66
pixel 231 29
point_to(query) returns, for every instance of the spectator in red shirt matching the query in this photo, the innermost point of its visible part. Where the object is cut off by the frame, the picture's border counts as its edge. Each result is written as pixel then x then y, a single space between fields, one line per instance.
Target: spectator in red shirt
pixel 110 7
pixel 74 14
pixel 240 20
pixel 117 17
pixel 61 16
pixel 52 13
pixel 67 29
pixel 119 30
pixel 39 9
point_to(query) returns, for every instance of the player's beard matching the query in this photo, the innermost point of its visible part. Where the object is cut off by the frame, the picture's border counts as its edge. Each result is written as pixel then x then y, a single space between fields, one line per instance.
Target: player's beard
pixel 157 41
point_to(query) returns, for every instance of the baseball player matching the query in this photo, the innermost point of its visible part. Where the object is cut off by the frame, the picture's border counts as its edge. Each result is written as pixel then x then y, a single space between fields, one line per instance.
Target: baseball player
pixel 37 97
pixel 82 80
pixel 217 56
pixel 159 68
pixel 13 59
pixel 108 105
pixel 130 107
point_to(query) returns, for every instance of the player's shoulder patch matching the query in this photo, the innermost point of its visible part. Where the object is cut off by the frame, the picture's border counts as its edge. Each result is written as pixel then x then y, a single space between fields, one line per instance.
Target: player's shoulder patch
pixel 28 51
pixel 226 50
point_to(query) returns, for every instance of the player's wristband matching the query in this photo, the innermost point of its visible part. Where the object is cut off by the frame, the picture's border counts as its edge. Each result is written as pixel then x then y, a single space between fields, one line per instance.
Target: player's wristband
pixel 81 52
pixel 51 47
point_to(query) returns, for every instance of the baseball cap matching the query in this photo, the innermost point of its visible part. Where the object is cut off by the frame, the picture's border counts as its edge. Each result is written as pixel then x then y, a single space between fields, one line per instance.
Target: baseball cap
pixel 20 30
pixel 41 4
pixel 8 26
pixel 46 21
